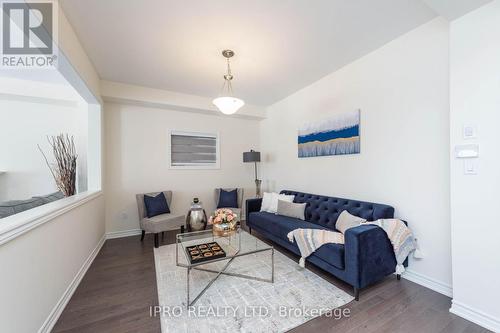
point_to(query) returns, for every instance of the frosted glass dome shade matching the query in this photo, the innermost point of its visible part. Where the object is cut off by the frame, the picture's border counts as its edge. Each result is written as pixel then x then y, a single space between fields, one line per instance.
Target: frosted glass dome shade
pixel 228 105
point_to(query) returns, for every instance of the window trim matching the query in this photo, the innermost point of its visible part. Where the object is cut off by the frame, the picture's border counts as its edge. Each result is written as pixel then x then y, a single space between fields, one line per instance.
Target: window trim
pixel 197 166
pixel 15 225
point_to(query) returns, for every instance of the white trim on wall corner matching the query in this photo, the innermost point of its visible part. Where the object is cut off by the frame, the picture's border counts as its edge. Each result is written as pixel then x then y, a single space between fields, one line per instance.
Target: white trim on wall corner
pixel 428 282
pixel 54 315
pixel 123 233
pixel 475 316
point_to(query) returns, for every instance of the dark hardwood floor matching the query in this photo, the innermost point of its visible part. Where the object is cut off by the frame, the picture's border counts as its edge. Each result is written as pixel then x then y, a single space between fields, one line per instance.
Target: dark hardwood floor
pixel 120 286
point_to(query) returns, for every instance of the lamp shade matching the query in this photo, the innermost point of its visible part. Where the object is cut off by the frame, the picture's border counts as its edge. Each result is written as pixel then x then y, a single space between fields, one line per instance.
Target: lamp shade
pixel 251 156
pixel 228 105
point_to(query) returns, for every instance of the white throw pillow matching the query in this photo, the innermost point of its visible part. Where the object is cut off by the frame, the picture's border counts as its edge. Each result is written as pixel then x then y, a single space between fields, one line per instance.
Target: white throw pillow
pixel 276 198
pixel 270 201
pixel 347 220
pixel 267 200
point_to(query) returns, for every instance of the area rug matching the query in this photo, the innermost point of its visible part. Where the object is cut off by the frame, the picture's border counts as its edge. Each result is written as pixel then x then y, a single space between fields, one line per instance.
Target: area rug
pixel 233 304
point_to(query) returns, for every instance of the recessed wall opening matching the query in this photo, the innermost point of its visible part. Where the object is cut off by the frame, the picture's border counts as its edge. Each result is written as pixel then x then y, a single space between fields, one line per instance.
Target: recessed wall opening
pixel 37 111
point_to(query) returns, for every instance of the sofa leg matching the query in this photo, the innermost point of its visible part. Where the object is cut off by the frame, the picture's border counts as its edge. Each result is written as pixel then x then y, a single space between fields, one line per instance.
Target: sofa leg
pixel 249 230
pixel 398 276
pixel 356 294
pixel 157 243
pixel 142 235
pixel 182 229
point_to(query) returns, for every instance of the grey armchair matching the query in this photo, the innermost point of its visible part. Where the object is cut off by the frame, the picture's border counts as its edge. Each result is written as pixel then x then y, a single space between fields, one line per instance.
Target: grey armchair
pixel 238 209
pixel 160 223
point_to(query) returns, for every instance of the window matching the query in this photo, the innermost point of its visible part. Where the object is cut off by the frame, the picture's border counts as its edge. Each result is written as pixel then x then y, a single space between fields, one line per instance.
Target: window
pixel 190 150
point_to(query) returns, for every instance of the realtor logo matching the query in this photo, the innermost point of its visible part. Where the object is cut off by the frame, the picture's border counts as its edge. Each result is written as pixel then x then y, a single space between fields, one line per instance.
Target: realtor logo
pixel 28 34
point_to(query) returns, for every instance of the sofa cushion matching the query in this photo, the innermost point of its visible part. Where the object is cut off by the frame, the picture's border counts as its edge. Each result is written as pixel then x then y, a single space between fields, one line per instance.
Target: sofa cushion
pixel 333 254
pixel 280 226
pixel 12 207
pixel 50 197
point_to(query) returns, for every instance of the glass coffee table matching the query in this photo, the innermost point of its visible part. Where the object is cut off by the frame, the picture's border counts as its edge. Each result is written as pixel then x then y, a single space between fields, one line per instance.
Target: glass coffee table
pixel 238 244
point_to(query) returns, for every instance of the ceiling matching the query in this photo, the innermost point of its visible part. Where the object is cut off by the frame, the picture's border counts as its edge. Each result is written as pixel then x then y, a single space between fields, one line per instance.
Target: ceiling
pixel 281 45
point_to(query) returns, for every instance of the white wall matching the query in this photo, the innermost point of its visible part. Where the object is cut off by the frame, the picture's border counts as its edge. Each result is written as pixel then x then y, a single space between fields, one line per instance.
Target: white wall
pixel 26 123
pixel 475 100
pixel 137 159
pixel 402 91
pixel 39 266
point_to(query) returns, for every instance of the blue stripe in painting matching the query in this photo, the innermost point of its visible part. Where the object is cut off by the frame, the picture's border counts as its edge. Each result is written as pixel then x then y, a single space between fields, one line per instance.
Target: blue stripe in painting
pixel 330 135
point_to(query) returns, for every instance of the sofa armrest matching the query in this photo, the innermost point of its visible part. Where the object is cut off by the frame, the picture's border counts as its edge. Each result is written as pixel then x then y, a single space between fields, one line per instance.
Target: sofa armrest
pixel 369 254
pixel 252 205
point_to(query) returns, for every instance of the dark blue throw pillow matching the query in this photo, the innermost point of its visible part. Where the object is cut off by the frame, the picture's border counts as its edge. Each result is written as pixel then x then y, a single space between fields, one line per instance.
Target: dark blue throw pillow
pixel 156 205
pixel 228 199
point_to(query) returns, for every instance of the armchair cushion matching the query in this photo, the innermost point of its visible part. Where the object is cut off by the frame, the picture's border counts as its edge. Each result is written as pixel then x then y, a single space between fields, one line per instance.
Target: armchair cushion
pixel 228 199
pixel 156 205
pixel 162 222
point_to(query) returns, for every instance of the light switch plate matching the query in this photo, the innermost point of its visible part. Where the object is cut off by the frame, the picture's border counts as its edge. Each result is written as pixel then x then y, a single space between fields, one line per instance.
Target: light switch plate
pixel 470 167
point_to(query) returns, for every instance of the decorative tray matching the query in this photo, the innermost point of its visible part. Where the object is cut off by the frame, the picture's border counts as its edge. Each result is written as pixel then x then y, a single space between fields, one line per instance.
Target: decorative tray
pixel 204 252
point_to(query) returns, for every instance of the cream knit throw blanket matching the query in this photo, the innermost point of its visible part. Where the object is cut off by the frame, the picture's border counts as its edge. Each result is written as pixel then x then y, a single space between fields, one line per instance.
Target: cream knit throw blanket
pixel 308 240
pixel 401 237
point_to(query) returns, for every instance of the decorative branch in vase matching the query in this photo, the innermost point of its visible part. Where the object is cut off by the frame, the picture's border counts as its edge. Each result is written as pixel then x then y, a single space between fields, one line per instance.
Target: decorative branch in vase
pixel 64 168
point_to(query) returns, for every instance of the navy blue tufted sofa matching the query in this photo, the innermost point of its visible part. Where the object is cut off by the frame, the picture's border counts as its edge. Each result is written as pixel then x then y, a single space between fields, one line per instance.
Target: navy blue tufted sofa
pixel 367 255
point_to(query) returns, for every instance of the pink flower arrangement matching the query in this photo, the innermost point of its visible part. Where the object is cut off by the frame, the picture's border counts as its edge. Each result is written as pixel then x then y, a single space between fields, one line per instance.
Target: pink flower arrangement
pixel 223 215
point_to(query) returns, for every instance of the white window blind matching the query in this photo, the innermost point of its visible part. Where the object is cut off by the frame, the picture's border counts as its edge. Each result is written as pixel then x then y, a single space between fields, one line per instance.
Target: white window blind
pixel 193 150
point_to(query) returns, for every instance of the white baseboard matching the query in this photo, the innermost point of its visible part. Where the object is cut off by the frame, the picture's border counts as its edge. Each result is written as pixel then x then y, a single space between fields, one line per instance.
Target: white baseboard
pixel 123 233
pixel 475 316
pixel 428 282
pixel 63 301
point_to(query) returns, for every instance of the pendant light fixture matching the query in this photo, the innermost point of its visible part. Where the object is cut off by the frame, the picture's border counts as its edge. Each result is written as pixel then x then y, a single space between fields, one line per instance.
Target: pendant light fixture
pixel 227 103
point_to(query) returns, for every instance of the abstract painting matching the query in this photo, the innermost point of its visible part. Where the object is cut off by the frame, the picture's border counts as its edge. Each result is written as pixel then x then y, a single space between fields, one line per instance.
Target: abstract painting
pixel 338 135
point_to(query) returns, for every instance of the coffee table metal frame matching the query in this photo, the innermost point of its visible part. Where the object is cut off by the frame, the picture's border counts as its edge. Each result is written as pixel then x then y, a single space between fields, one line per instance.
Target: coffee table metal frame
pixel 223 271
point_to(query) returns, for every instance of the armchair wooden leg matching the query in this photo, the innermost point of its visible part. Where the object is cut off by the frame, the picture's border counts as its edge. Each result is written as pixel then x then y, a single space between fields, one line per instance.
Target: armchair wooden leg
pixel 356 294
pixel 182 229
pixel 157 242
pixel 398 276
pixel 142 235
